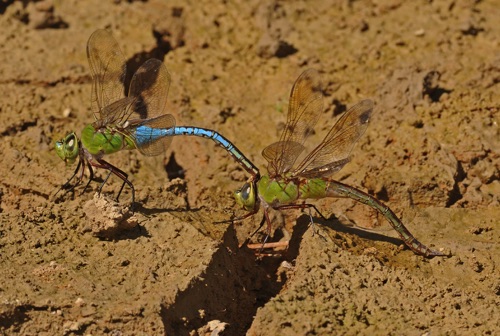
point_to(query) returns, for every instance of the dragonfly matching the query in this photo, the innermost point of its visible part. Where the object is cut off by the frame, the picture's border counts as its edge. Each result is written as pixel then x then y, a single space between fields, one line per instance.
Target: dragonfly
pixel 288 183
pixel 136 121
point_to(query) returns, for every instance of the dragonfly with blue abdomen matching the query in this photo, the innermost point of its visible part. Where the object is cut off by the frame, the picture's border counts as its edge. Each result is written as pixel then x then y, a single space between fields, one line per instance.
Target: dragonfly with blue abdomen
pixel 287 183
pixel 137 121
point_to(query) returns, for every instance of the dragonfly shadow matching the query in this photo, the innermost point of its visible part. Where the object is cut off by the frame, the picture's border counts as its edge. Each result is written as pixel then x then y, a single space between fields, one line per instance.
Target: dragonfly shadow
pixel 153 211
pixel 137 232
pixel 231 289
pixel 335 224
pixel 303 224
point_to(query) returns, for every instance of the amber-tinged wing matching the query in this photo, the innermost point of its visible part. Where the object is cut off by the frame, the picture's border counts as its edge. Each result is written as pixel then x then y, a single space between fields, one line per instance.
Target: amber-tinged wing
pixel 304 110
pixel 107 65
pixel 333 152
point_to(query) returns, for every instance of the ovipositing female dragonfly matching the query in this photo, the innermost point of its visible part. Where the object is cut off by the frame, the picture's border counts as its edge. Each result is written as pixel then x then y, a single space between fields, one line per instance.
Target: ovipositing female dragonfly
pixel 137 121
pixel 287 182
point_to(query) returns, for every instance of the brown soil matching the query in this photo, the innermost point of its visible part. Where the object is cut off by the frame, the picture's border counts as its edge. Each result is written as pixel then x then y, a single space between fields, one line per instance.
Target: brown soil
pixel 432 153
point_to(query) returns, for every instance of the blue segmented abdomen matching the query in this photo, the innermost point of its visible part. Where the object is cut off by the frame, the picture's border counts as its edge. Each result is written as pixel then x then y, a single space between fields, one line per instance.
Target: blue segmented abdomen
pixel 206 133
pixel 221 141
pixel 146 135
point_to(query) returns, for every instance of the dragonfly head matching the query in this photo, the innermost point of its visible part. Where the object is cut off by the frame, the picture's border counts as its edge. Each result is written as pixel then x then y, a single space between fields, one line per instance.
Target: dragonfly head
pixel 68 148
pixel 246 196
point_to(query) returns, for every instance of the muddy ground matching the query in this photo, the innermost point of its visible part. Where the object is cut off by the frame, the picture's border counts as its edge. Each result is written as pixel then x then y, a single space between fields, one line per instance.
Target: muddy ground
pixel 431 153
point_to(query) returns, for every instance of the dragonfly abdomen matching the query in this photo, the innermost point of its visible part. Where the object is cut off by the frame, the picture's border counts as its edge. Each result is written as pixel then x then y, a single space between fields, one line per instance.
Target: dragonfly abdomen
pixel 221 141
pixel 337 189
pixel 313 188
pixel 145 135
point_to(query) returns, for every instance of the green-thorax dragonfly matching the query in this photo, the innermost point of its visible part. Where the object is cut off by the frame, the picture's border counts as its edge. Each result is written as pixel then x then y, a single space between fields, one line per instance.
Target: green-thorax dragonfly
pixel 287 182
pixel 136 121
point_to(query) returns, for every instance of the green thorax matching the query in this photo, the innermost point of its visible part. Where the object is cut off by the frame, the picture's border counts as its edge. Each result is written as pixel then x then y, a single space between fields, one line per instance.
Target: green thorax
pixel 104 141
pixel 288 191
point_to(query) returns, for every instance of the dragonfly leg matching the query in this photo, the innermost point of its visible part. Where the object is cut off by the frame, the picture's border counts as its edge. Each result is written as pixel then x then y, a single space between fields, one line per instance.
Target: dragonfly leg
pixel 68 186
pixel 118 172
pixel 301 206
pixel 245 243
pixel 269 227
pixel 249 214
pixel 258 229
pixel 104 182
pixel 305 206
pixel 91 176
pixel 264 245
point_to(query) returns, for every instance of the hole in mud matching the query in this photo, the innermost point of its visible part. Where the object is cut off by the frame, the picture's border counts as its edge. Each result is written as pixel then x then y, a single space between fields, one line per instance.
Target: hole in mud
pixel 338 107
pixel 455 195
pixel 382 195
pixel 173 169
pixel 431 87
pixel 285 49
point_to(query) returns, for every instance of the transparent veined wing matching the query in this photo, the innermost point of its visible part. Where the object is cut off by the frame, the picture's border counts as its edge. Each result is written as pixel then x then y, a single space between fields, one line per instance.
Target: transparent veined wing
pixel 108 68
pixel 333 152
pixel 304 110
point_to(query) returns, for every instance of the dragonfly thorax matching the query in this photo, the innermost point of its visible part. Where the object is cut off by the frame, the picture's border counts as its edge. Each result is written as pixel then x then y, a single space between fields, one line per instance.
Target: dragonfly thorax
pixel 103 141
pixel 277 192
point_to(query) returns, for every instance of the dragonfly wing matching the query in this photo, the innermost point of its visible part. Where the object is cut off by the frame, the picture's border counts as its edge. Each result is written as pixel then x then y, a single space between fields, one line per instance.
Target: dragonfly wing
pixel 287 151
pixel 333 152
pixel 118 107
pixel 152 136
pixel 108 68
pixel 150 85
pixel 304 110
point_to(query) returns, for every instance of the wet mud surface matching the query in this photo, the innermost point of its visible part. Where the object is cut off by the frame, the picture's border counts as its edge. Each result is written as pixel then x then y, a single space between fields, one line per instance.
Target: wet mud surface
pixel 78 264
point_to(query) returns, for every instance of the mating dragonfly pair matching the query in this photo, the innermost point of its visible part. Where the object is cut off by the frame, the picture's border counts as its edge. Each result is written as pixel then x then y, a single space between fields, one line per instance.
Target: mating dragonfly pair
pixel 138 121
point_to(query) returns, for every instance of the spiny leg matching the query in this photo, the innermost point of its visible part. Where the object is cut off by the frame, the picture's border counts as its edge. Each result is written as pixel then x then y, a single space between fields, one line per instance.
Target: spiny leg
pixel 247 215
pixel 91 176
pixel 104 182
pixel 265 245
pixel 118 172
pixel 245 243
pixel 301 206
pixel 261 224
pixel 305 206
pixel 67 186
pixel 265 218
pixel 259 246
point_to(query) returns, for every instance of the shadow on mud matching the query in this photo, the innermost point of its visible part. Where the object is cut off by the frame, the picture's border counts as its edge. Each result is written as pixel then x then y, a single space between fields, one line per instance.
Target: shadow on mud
pixel 231 290
pixel 236 283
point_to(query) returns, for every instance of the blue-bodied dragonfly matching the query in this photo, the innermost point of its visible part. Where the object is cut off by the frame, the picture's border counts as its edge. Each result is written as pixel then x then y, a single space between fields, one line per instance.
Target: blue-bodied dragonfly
pixel 137 121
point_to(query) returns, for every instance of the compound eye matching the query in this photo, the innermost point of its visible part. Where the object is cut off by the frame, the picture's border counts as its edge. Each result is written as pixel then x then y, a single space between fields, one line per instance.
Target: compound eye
pixel 70 142
pixel 245 191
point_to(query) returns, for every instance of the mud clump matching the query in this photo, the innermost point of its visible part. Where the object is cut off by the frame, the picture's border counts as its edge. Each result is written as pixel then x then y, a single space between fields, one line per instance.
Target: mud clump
pixel 106 218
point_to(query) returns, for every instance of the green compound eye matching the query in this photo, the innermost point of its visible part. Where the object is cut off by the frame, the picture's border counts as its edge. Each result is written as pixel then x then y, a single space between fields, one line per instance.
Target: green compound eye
pixel 67 149
pixel 245 196
pixel 245 191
